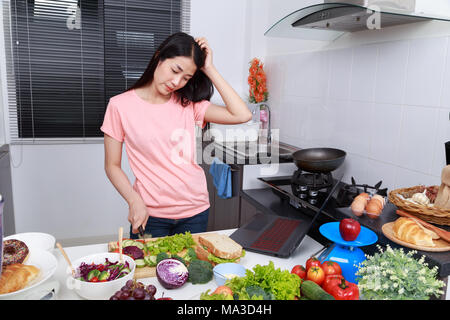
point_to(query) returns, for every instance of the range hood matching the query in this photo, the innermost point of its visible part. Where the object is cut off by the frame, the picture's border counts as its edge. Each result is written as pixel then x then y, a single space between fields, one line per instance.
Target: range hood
pixel 330 20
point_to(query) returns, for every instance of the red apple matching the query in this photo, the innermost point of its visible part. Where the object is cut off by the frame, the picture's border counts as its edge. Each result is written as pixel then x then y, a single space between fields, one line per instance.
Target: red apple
pixel 349 229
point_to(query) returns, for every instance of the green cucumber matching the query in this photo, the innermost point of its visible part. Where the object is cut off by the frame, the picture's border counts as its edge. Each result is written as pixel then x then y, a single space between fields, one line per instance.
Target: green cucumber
pixel 92 274
pixel 150 261
pixel 313 291
pixel 138 244
pixel 103 275
pixel 139 263
pixel 127 270
pixel 128 242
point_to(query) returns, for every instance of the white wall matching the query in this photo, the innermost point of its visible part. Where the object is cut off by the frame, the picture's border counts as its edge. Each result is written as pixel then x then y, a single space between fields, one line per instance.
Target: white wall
pixel 382 96
pixel 63 190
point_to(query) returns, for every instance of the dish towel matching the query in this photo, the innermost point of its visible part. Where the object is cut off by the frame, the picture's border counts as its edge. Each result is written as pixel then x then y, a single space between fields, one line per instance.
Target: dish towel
pixel 221 173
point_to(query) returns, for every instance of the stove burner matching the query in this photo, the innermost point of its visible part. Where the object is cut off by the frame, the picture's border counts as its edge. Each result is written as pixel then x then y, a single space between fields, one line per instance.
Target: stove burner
pixel 302 182
pixel 349 192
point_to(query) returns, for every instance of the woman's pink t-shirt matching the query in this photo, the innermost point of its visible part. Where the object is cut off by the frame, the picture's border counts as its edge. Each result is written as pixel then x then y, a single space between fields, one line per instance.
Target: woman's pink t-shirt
pixel 160 145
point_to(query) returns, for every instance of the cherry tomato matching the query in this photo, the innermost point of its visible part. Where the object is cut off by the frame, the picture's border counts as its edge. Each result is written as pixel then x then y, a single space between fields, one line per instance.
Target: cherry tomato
pixel 331 267
pixel 300 271
pixel 312 262
pixel 94 279
pixel 315 274
pixel 223 290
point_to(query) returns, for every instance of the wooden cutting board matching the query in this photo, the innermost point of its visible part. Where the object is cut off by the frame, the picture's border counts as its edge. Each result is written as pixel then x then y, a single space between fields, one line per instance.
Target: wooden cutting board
pixel 441 245
pixel 148 272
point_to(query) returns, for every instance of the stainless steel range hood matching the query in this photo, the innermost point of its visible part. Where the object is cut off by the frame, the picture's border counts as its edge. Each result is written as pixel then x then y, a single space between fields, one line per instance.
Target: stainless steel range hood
pixel 328 21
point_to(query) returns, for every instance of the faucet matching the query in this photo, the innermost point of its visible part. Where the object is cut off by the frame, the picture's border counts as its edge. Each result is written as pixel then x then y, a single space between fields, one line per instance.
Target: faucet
pixel 269 133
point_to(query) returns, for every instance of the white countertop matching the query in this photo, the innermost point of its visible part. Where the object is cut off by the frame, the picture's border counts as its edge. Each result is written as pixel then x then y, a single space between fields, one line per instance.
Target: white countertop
pixel 188 291
pixel 62 276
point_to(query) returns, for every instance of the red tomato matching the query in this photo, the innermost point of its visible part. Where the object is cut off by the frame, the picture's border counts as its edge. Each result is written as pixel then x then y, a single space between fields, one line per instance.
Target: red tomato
pixel 312 262
pixel 331 267
pixel 315 274
pixel 223 290
pixel 94 279
pixel 300 271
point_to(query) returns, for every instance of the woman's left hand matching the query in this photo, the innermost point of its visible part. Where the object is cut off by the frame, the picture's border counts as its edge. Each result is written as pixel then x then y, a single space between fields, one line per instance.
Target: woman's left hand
pixel 203 43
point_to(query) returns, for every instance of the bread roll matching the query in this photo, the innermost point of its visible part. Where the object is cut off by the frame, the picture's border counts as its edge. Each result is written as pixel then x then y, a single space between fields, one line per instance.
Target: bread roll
pixel 408 230
pixel 16 277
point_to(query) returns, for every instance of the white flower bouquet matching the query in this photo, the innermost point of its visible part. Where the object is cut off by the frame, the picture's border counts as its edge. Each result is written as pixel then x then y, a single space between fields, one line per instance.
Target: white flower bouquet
pixel 393 274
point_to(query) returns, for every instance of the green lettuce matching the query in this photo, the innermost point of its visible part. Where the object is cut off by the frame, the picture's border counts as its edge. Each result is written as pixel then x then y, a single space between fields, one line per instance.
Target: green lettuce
pixel 218 260
pixel 281 283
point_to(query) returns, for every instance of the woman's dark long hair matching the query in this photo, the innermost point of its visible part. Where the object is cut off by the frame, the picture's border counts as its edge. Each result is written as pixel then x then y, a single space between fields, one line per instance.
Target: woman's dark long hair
pixel 199 87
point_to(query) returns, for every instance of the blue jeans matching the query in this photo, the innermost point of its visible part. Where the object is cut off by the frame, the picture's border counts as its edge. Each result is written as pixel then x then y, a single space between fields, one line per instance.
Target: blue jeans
pixel 161 227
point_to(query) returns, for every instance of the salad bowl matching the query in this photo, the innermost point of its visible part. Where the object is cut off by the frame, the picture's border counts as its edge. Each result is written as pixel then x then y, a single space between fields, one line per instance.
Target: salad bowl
pixel 91 285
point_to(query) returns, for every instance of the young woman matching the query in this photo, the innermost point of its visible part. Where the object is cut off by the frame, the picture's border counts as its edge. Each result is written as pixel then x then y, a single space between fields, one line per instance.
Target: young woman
pixel 156 120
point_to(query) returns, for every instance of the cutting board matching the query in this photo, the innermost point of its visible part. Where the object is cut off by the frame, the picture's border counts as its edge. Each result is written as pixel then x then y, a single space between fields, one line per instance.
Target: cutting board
pixel 441 245
pixel 148 272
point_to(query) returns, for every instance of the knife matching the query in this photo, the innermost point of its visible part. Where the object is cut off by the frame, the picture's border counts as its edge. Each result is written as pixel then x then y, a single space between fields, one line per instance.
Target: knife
pixel 141 233
pixel 49 295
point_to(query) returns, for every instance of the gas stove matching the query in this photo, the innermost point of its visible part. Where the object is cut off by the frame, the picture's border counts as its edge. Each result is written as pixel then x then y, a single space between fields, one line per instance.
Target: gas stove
pixel 309 190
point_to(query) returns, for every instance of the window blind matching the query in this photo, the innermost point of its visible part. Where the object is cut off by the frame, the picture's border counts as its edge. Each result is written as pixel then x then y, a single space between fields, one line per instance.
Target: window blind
pixel 66 58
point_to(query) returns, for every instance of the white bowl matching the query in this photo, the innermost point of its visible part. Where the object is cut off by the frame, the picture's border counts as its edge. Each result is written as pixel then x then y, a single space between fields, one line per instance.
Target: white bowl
pixel 101 290
pixel 225 271
pixel 35 240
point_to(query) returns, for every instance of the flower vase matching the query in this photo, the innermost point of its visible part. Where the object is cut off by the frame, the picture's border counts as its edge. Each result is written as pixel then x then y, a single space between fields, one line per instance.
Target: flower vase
pixel 254 109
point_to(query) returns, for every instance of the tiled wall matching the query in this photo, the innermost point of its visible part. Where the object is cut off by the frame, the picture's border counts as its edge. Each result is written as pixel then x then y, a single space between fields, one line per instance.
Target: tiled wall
pixel 386 104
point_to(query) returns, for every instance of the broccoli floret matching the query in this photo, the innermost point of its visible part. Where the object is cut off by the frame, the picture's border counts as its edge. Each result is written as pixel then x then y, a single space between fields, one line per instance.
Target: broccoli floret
pixel 161 256
pixel 190 255
pixel 200 272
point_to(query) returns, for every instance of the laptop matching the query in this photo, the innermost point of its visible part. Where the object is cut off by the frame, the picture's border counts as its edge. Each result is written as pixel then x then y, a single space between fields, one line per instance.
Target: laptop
pixel 274 235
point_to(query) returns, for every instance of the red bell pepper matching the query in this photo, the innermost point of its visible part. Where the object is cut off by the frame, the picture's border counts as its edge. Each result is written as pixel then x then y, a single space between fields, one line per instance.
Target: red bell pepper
pixel 340 289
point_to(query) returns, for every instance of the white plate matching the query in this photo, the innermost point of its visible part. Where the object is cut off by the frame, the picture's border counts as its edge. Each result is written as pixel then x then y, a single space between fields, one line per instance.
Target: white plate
pixel 35 240
pixel 43 260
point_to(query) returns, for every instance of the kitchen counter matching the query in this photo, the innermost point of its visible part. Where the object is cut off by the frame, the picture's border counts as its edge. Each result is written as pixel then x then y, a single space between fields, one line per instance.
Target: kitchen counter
pixel 188 291
pixel 268 202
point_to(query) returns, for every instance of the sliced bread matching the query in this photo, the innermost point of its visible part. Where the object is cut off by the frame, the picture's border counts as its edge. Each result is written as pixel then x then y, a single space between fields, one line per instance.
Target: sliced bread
pixel 221 245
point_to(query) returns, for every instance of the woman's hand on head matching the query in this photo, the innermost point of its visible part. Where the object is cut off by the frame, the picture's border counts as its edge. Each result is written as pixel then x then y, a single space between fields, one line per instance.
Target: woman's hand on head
pixel 137 214
pixel 203 43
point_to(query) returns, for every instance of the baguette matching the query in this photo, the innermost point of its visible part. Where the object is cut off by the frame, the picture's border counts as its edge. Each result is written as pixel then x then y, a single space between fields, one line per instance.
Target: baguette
pixel 16 277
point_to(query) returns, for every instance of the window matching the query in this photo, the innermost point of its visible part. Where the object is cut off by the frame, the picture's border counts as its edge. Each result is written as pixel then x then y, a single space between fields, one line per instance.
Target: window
pixel 66 58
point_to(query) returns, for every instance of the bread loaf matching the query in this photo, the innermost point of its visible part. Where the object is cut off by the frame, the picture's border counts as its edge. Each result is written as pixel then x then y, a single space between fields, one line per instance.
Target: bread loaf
pixel 409 230
pixel 445 176
pixel 16 277
pixel 443 197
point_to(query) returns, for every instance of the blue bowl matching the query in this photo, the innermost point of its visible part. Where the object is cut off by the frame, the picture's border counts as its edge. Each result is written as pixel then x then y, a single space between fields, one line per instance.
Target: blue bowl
pixel 331 231
pixel 226 271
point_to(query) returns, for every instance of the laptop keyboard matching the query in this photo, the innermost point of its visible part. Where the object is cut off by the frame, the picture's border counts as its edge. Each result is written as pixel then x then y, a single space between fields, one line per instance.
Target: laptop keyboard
pixel 276 235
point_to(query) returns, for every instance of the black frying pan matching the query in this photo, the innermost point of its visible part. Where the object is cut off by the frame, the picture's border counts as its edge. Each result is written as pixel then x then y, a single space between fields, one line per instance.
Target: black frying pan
pixel 319 160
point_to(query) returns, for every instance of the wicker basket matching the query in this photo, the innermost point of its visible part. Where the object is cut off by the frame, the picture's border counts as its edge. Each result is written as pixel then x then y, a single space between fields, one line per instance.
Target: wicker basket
pixel 428 213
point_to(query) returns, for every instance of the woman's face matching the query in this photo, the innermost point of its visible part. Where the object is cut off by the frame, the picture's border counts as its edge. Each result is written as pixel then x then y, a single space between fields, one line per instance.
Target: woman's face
pixel 173 74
